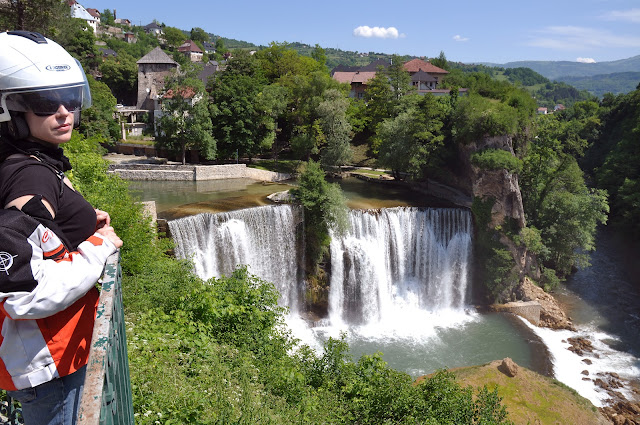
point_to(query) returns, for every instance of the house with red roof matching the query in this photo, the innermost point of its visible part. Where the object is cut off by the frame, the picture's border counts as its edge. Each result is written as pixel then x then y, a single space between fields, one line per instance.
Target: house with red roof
pixel 425 77
pixel 191 50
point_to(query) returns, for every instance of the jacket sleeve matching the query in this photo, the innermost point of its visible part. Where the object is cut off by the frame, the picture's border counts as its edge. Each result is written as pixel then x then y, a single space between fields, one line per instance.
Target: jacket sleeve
pixel 39 278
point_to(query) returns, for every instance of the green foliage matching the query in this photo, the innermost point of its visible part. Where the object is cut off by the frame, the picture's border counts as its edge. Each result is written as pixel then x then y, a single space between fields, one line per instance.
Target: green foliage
pixel 107 17
pixel 97 121
pixel 332 120
pixel 199 35
pixel 79 40
pixel 121 75
pixel 496 159
pixel 325 210
pixel 476 117
pixel 555 92
pixel 555 196
pixel 599 85
pixel 440 61
pixel 48 17
pixel 615 158
pixel 495 264
pixel 174 37
pixel 409 143
pixel 185 123
pixel 524 76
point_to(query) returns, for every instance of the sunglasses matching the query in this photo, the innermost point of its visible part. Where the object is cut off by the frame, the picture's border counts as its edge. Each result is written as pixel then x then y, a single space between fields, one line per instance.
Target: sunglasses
pixel 46 102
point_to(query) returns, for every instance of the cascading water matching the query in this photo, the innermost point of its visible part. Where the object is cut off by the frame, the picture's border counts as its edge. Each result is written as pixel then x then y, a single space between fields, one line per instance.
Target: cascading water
pixel 399 281
pixel 263 238
pixel 398 262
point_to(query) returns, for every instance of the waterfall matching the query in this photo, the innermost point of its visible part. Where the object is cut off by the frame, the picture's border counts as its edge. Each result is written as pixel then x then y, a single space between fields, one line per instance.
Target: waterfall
pixel 263 238
pixel 392 262
pixel 398 260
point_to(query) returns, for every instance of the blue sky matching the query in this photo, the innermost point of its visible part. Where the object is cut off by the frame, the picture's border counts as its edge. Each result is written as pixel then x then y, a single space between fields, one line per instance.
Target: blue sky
pixel 496 31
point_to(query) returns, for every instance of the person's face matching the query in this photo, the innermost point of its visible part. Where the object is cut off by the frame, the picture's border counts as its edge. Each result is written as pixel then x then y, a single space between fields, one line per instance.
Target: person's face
pixel 54 129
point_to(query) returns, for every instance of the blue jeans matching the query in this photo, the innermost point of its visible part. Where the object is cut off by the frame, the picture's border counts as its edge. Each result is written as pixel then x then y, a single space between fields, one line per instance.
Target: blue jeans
pixel 52 403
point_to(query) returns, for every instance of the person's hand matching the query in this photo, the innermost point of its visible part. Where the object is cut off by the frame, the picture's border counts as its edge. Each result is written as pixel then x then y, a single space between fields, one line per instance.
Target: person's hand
pixel 102 218
pixel 108 233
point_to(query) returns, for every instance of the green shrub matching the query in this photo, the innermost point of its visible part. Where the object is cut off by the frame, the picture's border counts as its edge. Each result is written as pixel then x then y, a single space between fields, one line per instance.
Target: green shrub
pixel 496 159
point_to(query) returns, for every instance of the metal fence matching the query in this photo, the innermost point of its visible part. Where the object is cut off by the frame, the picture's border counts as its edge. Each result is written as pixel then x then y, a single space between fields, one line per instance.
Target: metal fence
pixel 106 398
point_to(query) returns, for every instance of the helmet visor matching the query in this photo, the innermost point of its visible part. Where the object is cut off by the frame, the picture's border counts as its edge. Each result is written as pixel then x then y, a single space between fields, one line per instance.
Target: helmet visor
pixel 47 101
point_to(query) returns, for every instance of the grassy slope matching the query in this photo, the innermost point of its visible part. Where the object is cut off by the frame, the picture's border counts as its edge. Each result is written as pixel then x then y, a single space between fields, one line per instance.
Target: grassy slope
pixel 531 398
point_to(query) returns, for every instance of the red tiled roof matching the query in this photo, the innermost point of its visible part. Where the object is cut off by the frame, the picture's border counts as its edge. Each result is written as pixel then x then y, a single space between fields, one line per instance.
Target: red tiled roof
pixel 416 65
pixel 185 93
pixel 353 77
pixel 94 12
pixel 190 46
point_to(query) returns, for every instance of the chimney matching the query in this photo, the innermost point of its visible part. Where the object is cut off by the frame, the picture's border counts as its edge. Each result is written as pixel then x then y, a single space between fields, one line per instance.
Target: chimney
pixel 114 15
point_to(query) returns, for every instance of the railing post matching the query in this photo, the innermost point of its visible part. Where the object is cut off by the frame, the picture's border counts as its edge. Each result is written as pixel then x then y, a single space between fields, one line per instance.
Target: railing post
pixel 106 398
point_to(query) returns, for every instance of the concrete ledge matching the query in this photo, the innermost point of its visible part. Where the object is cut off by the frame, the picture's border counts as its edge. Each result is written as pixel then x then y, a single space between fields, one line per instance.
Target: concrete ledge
pixel 174 175
pixel 194 172
pixel 530 310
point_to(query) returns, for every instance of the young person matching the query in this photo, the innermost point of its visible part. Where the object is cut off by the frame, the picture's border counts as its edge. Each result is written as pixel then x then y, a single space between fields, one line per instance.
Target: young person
pixel 48 266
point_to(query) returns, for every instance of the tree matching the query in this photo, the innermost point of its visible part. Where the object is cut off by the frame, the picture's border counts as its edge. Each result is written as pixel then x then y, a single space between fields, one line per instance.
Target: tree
pixel 97 121
pixel 399 78
pixel 557 200
pixel 185 123
pixel 107 17
pixel 238 123
pixel 409 142
pixel 43 16
pixel 440 61
pixel 199 35
pixel 325 210
pixel 319 55
pixel 174 37
pixel 78 39
pixel 332 119
pixel 380 101
pixel 121 75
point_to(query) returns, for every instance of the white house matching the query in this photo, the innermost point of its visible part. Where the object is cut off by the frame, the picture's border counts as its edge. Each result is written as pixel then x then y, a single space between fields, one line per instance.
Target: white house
pixel 78 11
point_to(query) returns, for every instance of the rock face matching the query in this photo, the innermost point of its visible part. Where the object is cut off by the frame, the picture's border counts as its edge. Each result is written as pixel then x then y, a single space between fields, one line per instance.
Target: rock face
pixel 500 185
pixel 551 315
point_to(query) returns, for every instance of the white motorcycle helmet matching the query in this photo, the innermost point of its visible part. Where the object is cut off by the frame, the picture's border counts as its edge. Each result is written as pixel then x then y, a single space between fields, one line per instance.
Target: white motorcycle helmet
pixel 38 75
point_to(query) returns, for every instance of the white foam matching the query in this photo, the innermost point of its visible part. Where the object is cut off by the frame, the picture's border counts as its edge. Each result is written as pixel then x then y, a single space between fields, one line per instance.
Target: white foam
pixel 568 366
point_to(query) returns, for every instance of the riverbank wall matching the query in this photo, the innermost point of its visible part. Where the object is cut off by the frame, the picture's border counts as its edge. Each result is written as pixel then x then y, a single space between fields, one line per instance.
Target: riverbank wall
pixel 194 172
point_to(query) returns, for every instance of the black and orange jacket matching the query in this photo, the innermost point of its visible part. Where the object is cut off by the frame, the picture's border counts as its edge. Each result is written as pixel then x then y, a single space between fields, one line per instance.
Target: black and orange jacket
pixel 48 301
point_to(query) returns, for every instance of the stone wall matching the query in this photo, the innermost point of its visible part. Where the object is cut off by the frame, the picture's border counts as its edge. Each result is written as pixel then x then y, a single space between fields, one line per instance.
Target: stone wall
pixel 530 310
pixel 197 173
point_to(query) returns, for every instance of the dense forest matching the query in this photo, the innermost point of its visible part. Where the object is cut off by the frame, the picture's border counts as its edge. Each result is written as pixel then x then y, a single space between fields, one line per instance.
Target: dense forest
pixel 217 351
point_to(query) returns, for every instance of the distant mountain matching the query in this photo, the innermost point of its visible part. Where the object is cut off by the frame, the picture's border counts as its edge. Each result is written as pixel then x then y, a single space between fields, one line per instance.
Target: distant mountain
pixel 598 85
pixel 554 70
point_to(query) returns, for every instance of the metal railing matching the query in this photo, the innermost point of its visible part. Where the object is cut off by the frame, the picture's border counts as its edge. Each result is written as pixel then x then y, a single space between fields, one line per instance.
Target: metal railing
pixel 106 398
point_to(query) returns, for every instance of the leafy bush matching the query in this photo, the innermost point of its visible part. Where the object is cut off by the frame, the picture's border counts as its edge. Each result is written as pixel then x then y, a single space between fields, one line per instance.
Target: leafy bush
pixel 496 159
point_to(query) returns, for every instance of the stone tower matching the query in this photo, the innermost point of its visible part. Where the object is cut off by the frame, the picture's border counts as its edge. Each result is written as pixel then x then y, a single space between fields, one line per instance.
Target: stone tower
pixel 153 68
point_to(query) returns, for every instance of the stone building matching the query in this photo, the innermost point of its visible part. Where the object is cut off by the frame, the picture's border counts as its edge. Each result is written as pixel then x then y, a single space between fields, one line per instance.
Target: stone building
pixel 153 68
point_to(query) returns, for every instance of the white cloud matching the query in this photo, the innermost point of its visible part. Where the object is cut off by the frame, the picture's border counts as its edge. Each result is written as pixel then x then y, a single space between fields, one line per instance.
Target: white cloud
pixel 632 15
pixel 377 32
pixel 586 60
pixel 580 38
pixel 458 37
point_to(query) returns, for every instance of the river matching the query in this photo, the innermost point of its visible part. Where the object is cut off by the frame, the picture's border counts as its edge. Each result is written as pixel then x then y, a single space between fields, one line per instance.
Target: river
pixel 602 300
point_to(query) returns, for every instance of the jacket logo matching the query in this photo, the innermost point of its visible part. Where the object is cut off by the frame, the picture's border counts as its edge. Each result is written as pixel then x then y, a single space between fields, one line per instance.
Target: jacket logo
pixel 57 67
pixel 6 261
pixel 46 237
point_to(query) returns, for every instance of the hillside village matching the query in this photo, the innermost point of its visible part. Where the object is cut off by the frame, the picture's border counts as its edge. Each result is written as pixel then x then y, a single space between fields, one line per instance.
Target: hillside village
pixel 156 66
